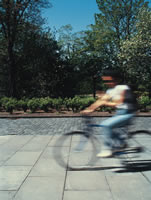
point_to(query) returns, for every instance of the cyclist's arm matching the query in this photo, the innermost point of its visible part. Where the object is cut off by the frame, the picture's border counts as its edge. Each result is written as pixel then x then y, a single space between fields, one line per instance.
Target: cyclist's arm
pixel 100 102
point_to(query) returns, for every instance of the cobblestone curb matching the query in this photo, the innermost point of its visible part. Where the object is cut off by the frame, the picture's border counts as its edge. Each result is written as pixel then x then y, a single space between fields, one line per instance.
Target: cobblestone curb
pixel 61 115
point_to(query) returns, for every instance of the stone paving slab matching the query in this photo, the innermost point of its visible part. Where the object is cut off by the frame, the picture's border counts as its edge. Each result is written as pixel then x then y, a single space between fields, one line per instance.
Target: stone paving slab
pixel 46 165
pixel 7 195
pixel 38 143
pixel 86 195
pixel 11 146
pixel 147 174
pixel 22 158
pixel 86 181
pixel 5 139
pixel 41 188
pixel 11 177
pixel 47 168
pixel 131 186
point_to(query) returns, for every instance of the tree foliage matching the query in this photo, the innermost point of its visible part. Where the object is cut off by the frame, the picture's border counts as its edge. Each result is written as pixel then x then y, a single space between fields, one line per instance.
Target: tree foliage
pixel 115 22
pixel 36 63
pixel 13 14
pixel 119 16
pixel 39 65
pixel 135 55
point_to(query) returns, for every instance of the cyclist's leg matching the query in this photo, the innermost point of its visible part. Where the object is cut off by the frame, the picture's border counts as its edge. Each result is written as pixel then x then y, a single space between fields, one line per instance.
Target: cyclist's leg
pixel 114 122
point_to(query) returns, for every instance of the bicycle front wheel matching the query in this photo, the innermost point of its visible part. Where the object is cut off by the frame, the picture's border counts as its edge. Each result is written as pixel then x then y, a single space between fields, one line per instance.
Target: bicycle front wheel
pixel 75 150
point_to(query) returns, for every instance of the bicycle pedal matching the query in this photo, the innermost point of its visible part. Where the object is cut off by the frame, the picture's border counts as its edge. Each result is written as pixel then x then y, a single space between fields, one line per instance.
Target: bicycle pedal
pixel 118 153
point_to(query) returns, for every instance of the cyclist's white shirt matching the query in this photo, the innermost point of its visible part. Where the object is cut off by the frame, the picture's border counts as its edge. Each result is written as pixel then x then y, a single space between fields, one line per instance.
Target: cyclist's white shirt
pixel 115 94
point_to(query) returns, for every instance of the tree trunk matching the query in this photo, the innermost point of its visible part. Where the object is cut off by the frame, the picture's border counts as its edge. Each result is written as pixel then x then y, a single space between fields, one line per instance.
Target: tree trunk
pixel 94 86
pixel 12 72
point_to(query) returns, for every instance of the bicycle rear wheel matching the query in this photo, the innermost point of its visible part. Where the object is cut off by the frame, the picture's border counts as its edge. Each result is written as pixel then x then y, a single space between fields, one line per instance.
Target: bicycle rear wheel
pixel 140 148
pixel 75 150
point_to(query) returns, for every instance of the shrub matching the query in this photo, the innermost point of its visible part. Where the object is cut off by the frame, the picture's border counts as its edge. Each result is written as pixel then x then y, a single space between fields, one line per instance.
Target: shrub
pixel 107 109
pixel 144 102
pixel 78 103
pixel 50 102
pixel 4 100
pixel 85 102
pixel 33 104
pixel 23 104
pixel 44 104
pixel 57 103
pixel 75 104
pixel 9 104
pixel 67 102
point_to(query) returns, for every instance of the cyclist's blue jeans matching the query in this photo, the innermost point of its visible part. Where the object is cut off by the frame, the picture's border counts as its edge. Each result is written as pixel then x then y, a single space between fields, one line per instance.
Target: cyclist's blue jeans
pixel 115 138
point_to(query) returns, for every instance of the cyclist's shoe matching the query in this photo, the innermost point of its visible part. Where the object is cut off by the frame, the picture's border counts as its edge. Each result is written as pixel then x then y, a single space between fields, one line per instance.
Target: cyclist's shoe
pixel 105 154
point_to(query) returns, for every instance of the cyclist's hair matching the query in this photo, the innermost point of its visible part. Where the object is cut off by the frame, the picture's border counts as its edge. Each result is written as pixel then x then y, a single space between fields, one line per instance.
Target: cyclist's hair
pixel 113 73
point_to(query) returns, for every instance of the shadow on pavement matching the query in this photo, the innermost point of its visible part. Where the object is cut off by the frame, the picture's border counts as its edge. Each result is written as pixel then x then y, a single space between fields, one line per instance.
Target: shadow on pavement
pixel 135 166
pixel 127 166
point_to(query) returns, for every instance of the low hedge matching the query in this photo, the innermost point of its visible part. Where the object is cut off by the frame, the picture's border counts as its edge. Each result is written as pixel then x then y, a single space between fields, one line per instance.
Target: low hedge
pixel 75 104
pixel 78 103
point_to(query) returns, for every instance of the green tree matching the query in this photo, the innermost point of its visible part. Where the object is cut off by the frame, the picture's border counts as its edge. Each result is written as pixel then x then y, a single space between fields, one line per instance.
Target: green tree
pixel 40 68
pixel 135 54
pixel 69 41
pixel 71 44
pixel 13 14
pixel 120 16
pixel 88 63
pixel 115 22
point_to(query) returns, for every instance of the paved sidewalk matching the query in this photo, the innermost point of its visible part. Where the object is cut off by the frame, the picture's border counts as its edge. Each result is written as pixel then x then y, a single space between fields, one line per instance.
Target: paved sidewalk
pixel 28 170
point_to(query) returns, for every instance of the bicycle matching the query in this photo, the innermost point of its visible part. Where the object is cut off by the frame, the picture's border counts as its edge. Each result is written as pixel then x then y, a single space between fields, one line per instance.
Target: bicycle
pixel 77 150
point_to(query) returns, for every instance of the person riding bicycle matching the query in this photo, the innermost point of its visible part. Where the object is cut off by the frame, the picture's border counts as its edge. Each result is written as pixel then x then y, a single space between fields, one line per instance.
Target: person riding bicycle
pixel 119 96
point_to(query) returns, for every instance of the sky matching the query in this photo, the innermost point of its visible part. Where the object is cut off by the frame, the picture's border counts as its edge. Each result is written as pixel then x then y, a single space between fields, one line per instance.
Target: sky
pixel 78 13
